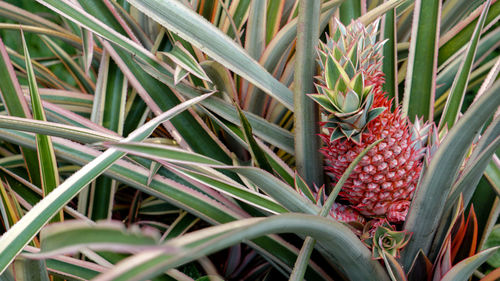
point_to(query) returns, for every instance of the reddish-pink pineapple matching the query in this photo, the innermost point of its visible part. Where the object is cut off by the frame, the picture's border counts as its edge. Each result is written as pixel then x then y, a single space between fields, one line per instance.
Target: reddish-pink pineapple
pixel 350 92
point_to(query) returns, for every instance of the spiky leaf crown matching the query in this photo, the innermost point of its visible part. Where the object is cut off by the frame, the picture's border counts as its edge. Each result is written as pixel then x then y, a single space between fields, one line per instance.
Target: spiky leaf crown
pixel 350 61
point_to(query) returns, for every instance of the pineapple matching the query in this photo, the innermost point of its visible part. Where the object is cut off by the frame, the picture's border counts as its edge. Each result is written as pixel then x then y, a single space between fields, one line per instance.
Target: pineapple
pixel 358 112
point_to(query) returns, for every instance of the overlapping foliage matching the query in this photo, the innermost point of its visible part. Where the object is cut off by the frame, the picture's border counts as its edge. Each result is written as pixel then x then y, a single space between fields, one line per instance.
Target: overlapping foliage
pixel 180 137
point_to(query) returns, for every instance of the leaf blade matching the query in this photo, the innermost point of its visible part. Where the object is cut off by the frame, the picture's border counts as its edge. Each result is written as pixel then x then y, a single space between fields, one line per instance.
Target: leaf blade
pixel 193 28
pixel 45 150
pixel 420 79
pixel 12 242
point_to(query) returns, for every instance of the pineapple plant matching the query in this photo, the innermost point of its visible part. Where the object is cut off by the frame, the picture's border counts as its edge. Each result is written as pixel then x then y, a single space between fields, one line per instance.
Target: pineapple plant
pixel 221 174
pixel 358 114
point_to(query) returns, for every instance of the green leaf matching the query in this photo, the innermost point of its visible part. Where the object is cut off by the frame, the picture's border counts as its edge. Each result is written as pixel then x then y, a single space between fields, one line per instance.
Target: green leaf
pixel 447 75
pixel 236 191
pixel 277 164
pixel 493 241
pixel 460 36
pixel 301 186
pixel 12 242
pixel 193 28
pixel 357 84
pixel 396 272
pixel 221 78
pixel 379 11
pixel 255 38
pixel 389 61
pixel 324 101
pixel 163 187
pixel 153 169
pixel 81 78
pixel 476 164
pixel 16 105
pixel 276 189
pixel 306 126
pixel 422 66
pixel 349 10
pixel 157 96
pixel 164 152
pixel 336 241
pixel 181 225
pixel 299 269
pixel 55 129
pixel 108 110
pixel 30 270
pixel 88 49
pixel 374 113
pixel 70 236
pixel 179 74
pixel 45 151
pixel 288 33
pixel 257 154
pixel 435 185
pixel 70 268
pixel 264 129
pixel 492 173
pixel 351 102
pixel 183 58
pixel 332 72
pixel 456 96
pixel 42 73
pixel 274 15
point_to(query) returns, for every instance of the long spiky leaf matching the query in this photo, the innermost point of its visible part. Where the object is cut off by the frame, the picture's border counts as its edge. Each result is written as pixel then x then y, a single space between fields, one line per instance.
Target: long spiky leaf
pixel 45 150
pixel 12 242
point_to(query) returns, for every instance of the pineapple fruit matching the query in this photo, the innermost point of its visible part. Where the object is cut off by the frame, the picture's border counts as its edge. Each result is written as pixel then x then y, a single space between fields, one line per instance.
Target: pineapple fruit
pixel 358 114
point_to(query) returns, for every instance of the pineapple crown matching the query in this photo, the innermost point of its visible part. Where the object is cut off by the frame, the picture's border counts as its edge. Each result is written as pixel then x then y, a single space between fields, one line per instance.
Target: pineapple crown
pixel 351 63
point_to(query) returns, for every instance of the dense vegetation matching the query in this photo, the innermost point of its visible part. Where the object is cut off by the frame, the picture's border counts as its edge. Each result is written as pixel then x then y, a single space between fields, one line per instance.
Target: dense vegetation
pixel 249 140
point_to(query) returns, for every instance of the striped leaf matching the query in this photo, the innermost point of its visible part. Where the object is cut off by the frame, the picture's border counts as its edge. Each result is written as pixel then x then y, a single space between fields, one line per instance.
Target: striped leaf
pixel 12 242
pixel 45 151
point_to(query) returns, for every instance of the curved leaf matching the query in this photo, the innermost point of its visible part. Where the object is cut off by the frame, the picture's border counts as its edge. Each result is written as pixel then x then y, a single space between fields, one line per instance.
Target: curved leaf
pixel 463 270
pixel 183 58
pixel 282 192
pixel 262 128
pixel 188 130
pixel 308 246
pixel 447 75
pixel 379 11
pixel 165 188
pixel 165 152
pixel 70 236
pixel 336 241
pixel 435 185
pixel 12 242
pixel 237 191
pixel 195 29
pixel 459 36
pixel 258 155
pixel 276 189
pixel 477 164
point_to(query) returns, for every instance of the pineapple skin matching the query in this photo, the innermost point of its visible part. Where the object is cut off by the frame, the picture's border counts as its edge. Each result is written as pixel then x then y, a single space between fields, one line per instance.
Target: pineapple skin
pixel 382 184
pixel 384 181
